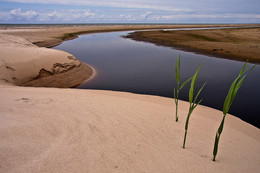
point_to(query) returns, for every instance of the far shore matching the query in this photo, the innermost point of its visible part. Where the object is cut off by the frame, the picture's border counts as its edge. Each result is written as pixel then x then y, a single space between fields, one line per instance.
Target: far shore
pixel 230 43
pixel 53 36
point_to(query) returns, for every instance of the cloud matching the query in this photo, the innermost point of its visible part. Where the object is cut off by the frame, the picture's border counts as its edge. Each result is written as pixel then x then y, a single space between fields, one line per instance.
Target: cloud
pixel 27 15
pixel 89 14
pixel 146 15
pixel 48 16
pixel 127 18
pixel 71 15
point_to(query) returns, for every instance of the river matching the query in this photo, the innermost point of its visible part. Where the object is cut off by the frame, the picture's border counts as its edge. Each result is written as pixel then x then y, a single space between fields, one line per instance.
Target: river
pixel 125 65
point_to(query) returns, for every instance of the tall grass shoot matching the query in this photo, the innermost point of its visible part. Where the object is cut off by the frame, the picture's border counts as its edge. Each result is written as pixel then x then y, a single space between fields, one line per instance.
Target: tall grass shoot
pixel 176 94
pixel 228 101
pixel 192 101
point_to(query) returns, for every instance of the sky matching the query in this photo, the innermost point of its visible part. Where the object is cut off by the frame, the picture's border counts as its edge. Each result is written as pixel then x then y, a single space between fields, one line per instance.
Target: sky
pixel 129 11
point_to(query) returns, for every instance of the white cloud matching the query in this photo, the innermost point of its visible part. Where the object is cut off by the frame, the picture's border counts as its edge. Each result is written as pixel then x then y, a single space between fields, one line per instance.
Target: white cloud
pixel 146 15
pixel 27 15
pixel 71 15
pixel 127 18
pixel 15 11
pixel 89 14
pixel 59 16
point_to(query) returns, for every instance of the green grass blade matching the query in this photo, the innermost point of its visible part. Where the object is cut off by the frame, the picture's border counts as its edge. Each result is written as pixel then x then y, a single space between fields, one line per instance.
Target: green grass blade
pixel 236 89
pixel 199 92
pixel 238 84
pixel 215 150
pixel 186 128
pixel 184 83
pixel 252 67
pixel 194 106
pixel 175 99
pixel 242 70
pixel 220 129
pixel 227 102
pixel 192 86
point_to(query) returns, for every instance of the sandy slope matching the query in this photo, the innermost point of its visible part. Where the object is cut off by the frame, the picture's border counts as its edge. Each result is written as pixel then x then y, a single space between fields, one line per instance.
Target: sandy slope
pixel 70 130
pixel 21 62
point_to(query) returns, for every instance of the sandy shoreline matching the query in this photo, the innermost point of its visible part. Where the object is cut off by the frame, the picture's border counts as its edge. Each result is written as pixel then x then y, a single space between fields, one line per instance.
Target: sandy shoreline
pixel 71 130
pixel 52 36
pixel 235 43
pixel 25 64
pixel 70 79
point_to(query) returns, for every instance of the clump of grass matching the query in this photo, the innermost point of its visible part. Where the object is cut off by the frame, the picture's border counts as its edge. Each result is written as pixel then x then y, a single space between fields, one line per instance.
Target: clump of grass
pixel 228 101
pixel 68 35
pixel 176 94
pixel 192 101
pixel 202 37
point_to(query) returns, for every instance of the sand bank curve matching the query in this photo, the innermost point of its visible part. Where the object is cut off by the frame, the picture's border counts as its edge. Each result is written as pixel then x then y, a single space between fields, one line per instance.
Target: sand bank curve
pixel 25 64
pixel 70 130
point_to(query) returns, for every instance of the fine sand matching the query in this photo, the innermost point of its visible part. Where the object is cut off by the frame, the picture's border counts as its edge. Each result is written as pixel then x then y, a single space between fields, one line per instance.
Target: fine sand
pixel 23 63
pixel 70 130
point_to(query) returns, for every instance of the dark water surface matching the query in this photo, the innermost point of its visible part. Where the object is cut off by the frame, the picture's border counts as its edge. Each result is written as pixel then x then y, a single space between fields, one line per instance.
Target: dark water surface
pixel 126 65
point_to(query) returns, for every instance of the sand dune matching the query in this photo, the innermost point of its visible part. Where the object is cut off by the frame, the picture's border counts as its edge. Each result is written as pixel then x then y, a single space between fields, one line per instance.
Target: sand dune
pixel 22 62
pixel 70 130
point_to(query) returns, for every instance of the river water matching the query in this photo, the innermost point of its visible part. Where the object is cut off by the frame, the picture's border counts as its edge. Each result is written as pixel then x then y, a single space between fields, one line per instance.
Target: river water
pixel 125 65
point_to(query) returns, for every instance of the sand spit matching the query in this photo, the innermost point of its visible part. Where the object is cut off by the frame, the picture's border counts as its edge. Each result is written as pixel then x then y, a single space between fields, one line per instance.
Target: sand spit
pixel 23 63
pixel 236 43
pixel 70 130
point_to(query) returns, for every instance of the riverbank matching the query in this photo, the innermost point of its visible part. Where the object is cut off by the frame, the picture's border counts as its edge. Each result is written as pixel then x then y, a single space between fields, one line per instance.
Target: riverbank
pixel 52 36
pixel 234 43
pixel 24 64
